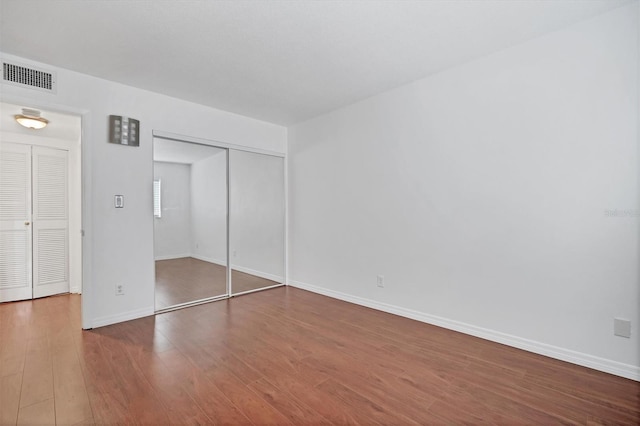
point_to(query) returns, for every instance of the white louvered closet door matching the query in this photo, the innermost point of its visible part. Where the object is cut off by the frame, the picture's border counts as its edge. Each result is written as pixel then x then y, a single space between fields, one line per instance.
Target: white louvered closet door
pixel 50 221
pixel 15 222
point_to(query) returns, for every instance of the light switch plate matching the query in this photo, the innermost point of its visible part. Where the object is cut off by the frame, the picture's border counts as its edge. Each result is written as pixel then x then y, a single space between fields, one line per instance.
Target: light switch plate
pixel 119 201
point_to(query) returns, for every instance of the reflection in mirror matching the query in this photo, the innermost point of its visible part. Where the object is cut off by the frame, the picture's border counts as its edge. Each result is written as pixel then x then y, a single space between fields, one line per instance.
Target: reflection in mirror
pixel 256 214
pixel 190 222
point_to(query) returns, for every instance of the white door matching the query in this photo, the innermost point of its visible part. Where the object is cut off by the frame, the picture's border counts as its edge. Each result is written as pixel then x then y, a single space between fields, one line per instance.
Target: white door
pixel 50 221
pixel 35 254
pixel 15 222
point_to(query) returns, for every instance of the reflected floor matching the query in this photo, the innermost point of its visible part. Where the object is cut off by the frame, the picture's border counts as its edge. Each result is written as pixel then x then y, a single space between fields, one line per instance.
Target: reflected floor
pixel 187 279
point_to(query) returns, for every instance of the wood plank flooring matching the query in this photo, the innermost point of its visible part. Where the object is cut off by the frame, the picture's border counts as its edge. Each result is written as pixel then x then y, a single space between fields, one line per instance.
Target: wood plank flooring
pixel 284 356
pixel 187 279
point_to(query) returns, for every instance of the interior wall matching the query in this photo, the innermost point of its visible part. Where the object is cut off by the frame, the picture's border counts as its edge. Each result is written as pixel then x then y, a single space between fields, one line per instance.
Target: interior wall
pixel 209 209
pixel 118 243
pixel 172 231
pixel 498 198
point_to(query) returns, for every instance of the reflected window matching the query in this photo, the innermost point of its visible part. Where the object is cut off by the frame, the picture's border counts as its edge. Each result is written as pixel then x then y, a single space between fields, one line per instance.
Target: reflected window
pixel 157 198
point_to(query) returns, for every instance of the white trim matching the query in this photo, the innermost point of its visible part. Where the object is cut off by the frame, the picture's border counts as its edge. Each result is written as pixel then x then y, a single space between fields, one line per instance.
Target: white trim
pixel 608 366
pixel 124 316
pixel 255 290
pixel 173 256
pixel 287 272
pixel 35 139
pixel 182 138
pixel 265 275
pixel 86 221
pixel 195 256
pixel 228 222
pixel 209 259
pixel 190 304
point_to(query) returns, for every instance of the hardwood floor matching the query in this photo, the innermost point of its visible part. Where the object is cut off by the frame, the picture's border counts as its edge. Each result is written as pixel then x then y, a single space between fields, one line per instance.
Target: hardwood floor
pixel 187 279
pixel 284 356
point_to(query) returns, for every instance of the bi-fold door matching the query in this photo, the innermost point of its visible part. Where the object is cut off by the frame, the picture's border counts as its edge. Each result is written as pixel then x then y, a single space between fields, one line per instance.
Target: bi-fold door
pixel 34 222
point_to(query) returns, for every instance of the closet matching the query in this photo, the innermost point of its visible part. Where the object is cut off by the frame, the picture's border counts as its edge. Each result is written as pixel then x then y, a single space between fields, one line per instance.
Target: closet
pixel 219 219
pixel 34 221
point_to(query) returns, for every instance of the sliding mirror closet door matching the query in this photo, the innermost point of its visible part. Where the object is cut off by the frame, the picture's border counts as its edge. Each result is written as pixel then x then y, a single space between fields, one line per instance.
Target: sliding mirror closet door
pixel 190 223
pixel 256 228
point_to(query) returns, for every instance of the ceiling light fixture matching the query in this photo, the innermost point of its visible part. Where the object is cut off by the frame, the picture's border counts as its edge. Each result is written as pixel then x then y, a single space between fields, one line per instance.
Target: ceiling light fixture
pixel 30 118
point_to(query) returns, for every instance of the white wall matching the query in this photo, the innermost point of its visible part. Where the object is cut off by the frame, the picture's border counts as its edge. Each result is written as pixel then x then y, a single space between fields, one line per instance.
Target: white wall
pixel 209 209
pixel 256 212
pixel 118 244
pixel 172 231
pixel 481 194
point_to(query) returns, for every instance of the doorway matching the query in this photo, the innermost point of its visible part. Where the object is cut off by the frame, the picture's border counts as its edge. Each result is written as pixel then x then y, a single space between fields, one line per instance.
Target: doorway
pixel 40 208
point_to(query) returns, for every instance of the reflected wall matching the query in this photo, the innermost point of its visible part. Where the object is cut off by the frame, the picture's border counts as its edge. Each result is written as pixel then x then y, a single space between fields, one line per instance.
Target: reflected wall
pixel 256 220
pixel 190 224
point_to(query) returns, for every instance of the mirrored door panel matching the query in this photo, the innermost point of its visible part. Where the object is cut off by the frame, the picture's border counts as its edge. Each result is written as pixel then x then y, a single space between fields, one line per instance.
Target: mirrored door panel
pixel 190 222
pixel 256 215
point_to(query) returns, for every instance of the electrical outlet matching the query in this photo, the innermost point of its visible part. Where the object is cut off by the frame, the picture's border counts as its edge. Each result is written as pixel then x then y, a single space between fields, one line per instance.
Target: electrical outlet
pixel 380 281
pixel 235 253
pixel 119 289
pixel 621 327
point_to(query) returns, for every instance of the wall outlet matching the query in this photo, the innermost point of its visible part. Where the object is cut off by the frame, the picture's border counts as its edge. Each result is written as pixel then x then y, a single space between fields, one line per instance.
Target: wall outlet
pixel 380 281
pixel 119 289
pixel 621 327
pixel 235 253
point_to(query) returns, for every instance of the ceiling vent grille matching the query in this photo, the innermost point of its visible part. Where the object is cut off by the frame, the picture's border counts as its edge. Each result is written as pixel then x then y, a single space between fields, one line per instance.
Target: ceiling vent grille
pixel 20 75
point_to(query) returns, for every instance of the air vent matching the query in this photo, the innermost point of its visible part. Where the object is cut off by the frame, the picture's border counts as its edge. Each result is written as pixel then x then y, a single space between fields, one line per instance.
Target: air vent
pixel 30 77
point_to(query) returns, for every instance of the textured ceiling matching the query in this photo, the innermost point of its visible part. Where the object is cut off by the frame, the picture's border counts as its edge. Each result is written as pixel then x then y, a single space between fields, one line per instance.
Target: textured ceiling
pixel 278 61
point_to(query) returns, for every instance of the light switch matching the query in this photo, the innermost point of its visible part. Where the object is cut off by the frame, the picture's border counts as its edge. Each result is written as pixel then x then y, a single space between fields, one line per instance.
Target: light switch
pixel 119 201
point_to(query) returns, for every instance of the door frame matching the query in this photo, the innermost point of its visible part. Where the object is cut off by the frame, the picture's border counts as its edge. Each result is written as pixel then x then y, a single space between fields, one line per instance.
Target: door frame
pixel 83 162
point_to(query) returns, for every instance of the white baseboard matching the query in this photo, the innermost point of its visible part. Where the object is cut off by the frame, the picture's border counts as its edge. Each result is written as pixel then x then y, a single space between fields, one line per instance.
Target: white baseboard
pixel 209 259
pixel 124 316
pixel 608 366
pixel 221 262
pixel 260 274
pixel 239 268
pixel 172 256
